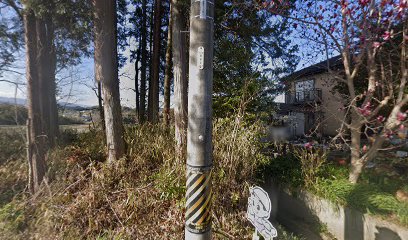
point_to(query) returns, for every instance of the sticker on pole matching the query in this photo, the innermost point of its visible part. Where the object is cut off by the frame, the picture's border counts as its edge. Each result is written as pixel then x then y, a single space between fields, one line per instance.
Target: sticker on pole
pixel 203 9
pixel 258 213
pixel 200 57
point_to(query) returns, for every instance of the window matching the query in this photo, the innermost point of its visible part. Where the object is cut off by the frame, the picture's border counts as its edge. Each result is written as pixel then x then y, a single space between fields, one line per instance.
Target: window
pixel 303 89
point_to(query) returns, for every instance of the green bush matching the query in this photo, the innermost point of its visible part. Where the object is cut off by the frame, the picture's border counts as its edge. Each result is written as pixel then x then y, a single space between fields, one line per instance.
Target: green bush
pixel 12 145
pixel 13 220
pixel 308 169
pixel 63 120
pixel 285 170
pixel 311 161
pixel 68 136
pixel 13 115
pixel 367 198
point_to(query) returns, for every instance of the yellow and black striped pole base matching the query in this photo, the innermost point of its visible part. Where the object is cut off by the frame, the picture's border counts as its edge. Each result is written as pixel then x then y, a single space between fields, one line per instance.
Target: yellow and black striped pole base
pixel 198 200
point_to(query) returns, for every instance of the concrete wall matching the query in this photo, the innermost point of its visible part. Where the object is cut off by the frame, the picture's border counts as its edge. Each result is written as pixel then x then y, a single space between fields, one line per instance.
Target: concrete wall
pixel 331 102
pixel 343 223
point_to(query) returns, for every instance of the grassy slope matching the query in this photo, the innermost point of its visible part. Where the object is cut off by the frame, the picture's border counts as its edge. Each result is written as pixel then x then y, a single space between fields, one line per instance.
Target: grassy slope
pixel 140 197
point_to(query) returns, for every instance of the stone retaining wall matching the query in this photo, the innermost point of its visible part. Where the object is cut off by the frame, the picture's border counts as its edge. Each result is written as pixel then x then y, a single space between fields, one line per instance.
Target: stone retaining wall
pixel 306 209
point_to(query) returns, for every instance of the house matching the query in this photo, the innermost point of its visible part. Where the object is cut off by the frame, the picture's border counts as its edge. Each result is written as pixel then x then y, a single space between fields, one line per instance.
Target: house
pixel 312 106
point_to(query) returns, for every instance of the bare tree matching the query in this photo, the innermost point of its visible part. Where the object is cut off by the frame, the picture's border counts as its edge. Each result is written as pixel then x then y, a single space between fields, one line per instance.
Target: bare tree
pixel 96 87
pixel 106 71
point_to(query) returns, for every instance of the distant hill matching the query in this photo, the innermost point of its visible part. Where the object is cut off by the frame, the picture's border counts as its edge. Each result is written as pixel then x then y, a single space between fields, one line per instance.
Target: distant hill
pixel 73 106
pixel 23 102
pixel 11 114
pixel 8 100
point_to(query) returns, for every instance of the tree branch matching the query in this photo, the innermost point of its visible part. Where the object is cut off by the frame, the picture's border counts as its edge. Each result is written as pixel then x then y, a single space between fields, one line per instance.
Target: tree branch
pixel 11 82
pixel 14 6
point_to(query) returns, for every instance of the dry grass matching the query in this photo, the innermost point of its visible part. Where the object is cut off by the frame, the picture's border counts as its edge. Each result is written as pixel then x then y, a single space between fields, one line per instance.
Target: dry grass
pixel 138 197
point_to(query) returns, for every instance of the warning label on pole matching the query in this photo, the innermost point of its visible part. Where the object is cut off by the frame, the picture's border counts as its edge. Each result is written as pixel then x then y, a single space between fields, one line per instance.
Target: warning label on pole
pixel 198 205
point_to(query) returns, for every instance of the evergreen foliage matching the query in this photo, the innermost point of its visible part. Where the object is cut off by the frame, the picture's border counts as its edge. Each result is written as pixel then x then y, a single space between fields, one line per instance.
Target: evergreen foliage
pixel 252 51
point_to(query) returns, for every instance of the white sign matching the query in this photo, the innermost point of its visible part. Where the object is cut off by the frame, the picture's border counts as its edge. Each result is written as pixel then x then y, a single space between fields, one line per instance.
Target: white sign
pixel 200 57
pixel 258 213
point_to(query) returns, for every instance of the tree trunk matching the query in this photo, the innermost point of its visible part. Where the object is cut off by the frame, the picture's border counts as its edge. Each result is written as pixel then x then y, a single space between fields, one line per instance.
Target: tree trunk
pixel 36 150
pixel 149 98
pixel 29 156
pixel 43 64
pixel 100 106
pixel 142 107
pixel 360 158
pixel 53 111
pixel 153 116
pixel 356 162
pixel 106 70
pixel 180 77
pixel 137 81
pixel 54 124
pixel 167 77
pixel 46 62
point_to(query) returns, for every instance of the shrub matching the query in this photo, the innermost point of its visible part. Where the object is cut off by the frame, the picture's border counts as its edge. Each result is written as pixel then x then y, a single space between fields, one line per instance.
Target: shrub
pixel 284 170
pixel 367 198
pixel 311 161
pixel 64 120
pixel 11 114
pixel 141 196
pixel 237 156
pixel 307 168
pixel 68 136
pixel 12 219
pixel 12 144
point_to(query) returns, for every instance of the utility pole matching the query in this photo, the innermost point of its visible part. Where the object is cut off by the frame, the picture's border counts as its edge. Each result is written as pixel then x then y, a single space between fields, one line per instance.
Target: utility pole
pixel 199 133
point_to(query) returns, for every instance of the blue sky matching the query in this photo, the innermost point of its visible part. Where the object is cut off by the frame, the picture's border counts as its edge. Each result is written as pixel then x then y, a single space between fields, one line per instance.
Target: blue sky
pixel 77 83
pixel 78 80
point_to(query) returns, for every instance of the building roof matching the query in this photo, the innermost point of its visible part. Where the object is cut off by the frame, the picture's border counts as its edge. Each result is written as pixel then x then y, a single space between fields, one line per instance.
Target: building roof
pixel 335 63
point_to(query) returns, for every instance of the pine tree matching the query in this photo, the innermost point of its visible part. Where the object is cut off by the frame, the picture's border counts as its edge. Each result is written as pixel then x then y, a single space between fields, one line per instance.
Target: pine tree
pixel 167 76
pixel 153 110
pixel 106 70
pixel 180 76
pixel 36 140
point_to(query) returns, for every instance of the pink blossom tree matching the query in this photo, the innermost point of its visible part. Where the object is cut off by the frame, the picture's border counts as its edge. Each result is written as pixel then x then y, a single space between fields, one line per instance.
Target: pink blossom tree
pixel 371 37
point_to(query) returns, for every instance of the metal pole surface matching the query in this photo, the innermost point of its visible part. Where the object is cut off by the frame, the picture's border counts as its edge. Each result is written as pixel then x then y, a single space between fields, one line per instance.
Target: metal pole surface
pixel 199 133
